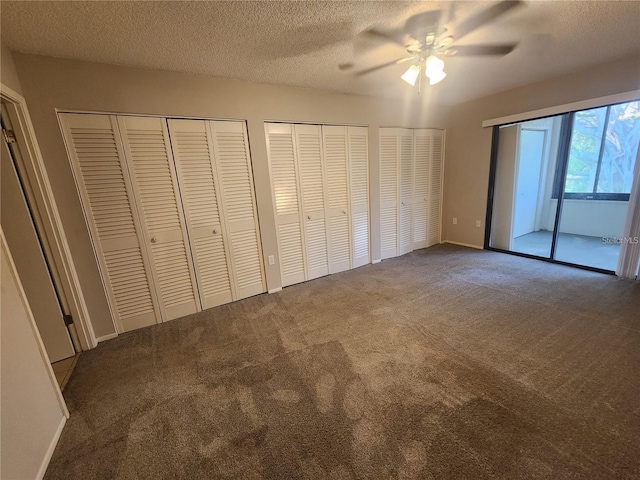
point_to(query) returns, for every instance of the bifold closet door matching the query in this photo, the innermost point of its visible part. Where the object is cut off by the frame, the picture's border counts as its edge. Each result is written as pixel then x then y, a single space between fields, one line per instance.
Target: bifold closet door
pixel 216 182
pixel 231 152
pixel 97 159
pixel 334 140
pixel 308 142
pixel 150 161
pixel 192 145
pixel 359 186
pixel 389 156
pixel 436 178
pixel 421 168
pixel 284 178
pixel 405 194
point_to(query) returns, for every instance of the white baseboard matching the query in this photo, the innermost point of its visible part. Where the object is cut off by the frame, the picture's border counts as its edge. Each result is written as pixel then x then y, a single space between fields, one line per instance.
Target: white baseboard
pixel 377 261
pixel 106 337
pixel 275 290
pixel 478 247
pixel 52 447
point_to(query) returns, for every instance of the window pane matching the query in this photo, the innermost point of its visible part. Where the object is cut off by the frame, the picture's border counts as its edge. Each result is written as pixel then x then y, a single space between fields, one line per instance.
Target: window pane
pixel 586 137
pixel 620 149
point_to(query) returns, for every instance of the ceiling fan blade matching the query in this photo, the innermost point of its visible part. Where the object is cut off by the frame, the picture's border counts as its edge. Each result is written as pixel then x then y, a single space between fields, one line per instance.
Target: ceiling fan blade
pixel 391 36
pixel 479 50
pixel 450 14
pixel 484 17
pixel 384 65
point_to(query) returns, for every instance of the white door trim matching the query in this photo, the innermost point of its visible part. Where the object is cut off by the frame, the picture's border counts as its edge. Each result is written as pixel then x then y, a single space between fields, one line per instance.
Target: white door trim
pixel 43 202
pixel 52 446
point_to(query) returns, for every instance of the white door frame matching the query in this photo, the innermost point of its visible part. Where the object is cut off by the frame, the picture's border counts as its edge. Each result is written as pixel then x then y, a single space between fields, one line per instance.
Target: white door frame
pixel 47 218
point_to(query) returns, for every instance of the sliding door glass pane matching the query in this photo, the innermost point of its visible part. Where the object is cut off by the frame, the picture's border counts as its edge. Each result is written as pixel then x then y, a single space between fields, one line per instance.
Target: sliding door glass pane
pixel 586 139
pixel 602 155
pixel 524 211
pixel 620 148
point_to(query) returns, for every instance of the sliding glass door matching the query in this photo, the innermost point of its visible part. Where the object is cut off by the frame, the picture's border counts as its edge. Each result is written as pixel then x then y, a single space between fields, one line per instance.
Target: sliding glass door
pixel 595 194
pixel 523 211
pixel 560 185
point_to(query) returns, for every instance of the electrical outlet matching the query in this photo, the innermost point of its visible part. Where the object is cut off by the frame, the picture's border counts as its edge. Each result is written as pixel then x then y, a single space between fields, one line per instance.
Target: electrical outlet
pixel 455 221
pixel 272 260
pixel 478 223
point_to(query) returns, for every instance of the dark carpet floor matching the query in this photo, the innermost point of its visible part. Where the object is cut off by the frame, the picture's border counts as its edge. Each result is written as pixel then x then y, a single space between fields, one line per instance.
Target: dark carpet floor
pixel 444 363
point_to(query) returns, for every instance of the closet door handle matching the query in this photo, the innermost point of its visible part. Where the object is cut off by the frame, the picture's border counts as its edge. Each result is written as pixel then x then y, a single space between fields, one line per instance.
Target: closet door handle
pixel 215 231
pixel 344 212
pixel 308 217
pixel 403 204
pixel 154 239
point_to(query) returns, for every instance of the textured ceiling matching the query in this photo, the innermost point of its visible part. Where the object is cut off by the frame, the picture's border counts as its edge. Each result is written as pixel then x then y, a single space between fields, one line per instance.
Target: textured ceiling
pixel 302 43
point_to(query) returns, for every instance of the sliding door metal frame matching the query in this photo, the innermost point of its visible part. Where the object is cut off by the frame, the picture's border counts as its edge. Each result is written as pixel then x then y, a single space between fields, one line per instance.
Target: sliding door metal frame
pixel 551 260
pixel 563 166
pixel 495 134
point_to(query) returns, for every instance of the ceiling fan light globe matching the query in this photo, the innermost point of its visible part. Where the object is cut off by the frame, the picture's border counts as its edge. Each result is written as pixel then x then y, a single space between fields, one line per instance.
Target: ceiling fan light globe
pixel 411 75
pixel 433 65
pixel 436 77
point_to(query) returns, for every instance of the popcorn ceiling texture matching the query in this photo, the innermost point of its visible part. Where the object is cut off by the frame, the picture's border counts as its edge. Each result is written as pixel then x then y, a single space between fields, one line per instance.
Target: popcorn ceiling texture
pixel 302 43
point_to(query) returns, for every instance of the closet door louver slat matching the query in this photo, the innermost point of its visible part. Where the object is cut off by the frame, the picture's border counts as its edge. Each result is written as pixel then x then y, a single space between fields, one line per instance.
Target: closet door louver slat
pixel 389 152
pixel 308 140
pixel 422 165
pixel 150 163
pixel 337 178
pixel 436 188
pixel 237 194
pixel 359 187
pixel 97 159
pixel 193 153
pixel 284 178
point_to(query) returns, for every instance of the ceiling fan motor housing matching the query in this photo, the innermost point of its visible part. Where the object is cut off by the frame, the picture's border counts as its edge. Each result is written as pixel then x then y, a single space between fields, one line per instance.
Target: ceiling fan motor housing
pixel 424 25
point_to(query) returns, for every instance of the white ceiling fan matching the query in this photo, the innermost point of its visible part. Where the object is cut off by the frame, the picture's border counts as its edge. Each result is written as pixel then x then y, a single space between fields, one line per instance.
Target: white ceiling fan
pixel 426 40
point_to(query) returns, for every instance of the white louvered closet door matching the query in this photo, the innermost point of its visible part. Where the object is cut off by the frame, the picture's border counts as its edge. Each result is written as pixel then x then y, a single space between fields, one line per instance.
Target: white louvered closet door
pixel 389 156
pixel 436 177
pixel 284 184
pixel 405 194
pixel 150 163
pixel 97 158
pixel 337 178
pixel 308 141
pixel 192 146
pixel 359 177
pixel 421 167
pixel 239 210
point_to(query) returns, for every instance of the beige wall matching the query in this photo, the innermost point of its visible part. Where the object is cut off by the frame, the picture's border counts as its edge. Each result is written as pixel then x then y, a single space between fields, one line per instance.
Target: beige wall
pixel 469 145
pixel 8 73
pixel 50 83
pixel 32 416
